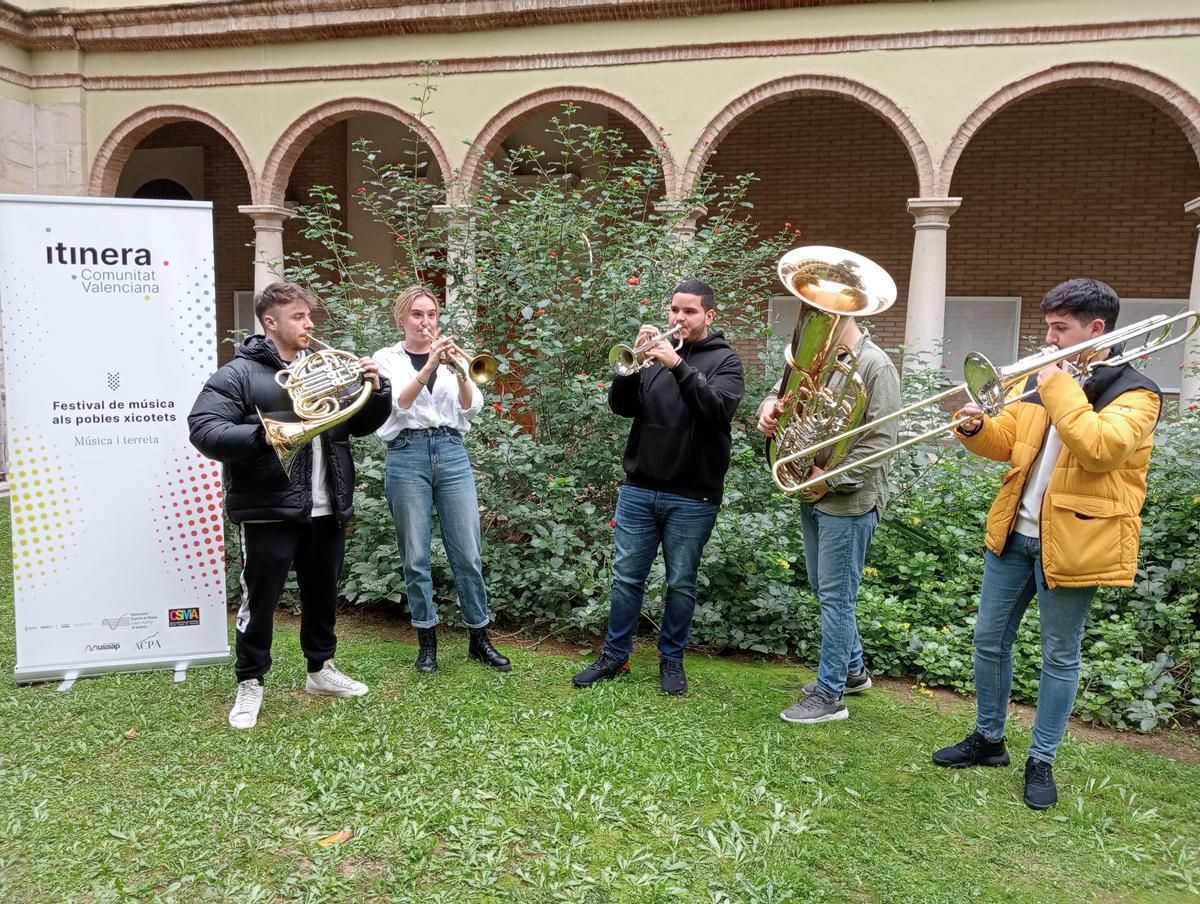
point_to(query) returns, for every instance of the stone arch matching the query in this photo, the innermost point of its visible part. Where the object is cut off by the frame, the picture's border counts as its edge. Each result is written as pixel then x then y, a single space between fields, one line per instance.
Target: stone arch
pixel 488 140
pixel 1165 95
pixel 296 137
pixel 821 85
pixel 114 152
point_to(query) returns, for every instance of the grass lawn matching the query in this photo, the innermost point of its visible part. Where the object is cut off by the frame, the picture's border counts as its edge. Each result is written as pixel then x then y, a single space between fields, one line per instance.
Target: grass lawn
pixel 471 786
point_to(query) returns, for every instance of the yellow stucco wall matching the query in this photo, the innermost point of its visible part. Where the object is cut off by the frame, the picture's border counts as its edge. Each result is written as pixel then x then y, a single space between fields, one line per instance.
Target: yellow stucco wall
pixel 937 87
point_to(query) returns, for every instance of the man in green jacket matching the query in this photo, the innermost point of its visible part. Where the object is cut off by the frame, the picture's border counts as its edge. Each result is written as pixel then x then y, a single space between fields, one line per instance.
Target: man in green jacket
pixel 838 518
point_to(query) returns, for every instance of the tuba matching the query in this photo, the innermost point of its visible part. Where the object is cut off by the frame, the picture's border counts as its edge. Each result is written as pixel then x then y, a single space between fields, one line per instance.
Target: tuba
pixel 822 394
pixel 326 388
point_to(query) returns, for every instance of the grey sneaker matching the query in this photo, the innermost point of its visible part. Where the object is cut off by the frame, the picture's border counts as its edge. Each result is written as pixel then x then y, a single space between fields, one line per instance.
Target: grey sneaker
pixel 856 683
pixel 815 707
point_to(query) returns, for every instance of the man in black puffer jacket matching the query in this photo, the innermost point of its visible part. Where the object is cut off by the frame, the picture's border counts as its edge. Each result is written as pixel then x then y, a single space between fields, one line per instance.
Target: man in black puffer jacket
pixel 299 520
pixel 675 464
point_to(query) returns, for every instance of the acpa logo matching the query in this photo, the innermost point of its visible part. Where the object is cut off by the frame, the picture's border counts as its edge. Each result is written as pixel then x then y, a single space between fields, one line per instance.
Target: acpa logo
pixel 179 617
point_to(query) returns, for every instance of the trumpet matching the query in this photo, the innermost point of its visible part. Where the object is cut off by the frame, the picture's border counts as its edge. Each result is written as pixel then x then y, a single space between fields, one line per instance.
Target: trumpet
pixel 326 388
pixel 627 361
pixel 989 386
pixel 480 369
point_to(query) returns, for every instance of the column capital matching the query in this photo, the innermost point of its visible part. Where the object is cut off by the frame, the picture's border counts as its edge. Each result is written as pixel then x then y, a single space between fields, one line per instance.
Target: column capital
pixel 686 216
pixel 678 207
pixel 933 213
pixel 1192 206
pixel 449 214
pixel 263 214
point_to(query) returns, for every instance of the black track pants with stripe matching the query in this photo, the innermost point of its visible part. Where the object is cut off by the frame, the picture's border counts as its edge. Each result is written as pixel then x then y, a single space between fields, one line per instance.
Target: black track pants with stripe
pixel 269 550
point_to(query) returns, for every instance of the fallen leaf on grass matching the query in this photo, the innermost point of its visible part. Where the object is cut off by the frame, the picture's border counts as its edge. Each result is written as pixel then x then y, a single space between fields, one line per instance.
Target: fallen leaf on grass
pixel 131 734
pixel 336 838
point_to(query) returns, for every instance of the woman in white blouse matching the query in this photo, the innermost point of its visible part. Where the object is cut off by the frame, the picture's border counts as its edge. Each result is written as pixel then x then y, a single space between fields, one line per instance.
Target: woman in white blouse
pixel 428 467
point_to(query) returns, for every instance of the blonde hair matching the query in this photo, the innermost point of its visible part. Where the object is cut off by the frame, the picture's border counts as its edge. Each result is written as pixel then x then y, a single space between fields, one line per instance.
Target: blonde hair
pixel 404 301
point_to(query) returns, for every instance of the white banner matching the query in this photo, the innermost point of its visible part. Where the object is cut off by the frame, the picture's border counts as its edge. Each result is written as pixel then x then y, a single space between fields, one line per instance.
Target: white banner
pixel 109 333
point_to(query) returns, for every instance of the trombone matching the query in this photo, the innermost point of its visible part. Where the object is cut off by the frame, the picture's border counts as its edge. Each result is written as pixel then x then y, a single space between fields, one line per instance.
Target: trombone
pixel 480 369
pixel 627 361
pixel 987 385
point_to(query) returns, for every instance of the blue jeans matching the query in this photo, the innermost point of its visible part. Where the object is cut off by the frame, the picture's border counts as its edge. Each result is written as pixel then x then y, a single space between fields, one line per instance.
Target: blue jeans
pixel 1010 581
pixel 835 551
pixel 647 519
pixel 427 469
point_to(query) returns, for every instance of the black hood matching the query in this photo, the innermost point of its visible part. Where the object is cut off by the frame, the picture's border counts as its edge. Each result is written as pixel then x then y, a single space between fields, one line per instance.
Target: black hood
pixel 261 349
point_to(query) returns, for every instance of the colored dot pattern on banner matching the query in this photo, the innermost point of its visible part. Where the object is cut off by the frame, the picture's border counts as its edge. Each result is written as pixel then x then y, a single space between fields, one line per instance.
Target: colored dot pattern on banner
pixel 43 498
pixel 25 337
pixel 189 533
pixel 194 300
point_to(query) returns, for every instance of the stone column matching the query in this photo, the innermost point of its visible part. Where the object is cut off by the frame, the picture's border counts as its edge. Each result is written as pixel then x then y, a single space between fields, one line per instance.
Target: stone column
pixel 268 241
pixel 924 327
pixel 1189 386
pixel 454 219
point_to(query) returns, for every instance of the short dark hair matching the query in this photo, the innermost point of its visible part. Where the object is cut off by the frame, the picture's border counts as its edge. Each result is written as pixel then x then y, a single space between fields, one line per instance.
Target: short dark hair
pixel 1085 300
pixel 276 295
pixel 695 287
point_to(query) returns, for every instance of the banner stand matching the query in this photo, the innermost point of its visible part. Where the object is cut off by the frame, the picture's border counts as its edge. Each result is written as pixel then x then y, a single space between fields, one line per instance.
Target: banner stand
pixel 109 333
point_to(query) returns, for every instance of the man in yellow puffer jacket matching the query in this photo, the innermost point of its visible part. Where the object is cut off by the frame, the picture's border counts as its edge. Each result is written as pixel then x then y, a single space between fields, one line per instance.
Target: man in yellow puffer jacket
pixel 1065 521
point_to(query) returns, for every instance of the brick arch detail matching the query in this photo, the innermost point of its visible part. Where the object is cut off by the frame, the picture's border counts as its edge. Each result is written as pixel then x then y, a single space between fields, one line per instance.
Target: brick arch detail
pixel 121 142
pixel 299 134
pixel 817 85
pixel 489 138
pixel 1177 103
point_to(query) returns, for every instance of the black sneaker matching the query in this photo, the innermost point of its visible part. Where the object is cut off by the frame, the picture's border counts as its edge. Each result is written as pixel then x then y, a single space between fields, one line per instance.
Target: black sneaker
pixel 602 669
pixel 672 678
pixel 973 750
pixel 856 683
pixel 1040 790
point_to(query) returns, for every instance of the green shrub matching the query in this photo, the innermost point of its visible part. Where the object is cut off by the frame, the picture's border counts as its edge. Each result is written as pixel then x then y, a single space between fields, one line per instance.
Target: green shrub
pixel 548 276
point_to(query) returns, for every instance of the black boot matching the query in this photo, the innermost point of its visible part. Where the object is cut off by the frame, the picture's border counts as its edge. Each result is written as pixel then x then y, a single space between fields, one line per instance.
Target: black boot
pixel 481 648
pixel 427 657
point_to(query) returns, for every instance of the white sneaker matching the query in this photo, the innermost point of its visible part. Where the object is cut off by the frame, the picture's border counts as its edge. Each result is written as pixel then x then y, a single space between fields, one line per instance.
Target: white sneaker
pixel 247 704
pixel 332 683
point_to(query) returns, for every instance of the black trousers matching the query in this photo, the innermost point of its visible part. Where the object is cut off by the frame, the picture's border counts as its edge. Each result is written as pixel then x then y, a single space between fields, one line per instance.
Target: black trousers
pixel 269 550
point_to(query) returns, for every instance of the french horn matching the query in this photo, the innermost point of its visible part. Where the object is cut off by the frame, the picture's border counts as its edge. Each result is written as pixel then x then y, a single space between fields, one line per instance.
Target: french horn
pixel 327 388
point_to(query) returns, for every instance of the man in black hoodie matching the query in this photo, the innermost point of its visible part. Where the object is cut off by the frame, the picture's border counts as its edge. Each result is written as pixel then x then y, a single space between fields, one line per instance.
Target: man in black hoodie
pixel 675 462
pixel 284 520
